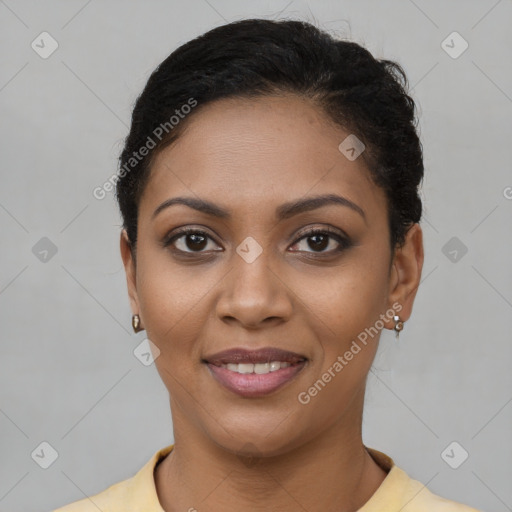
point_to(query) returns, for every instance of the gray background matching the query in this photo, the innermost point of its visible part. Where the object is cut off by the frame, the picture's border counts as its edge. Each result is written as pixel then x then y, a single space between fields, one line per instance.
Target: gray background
pixel 68 375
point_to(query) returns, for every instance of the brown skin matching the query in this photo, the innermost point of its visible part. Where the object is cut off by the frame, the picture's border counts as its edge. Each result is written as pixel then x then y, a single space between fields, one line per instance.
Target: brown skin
pixel 249 157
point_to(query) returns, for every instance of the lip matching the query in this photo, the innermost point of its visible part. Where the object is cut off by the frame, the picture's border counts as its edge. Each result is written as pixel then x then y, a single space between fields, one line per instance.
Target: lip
pixel 252 385
pixel 262 355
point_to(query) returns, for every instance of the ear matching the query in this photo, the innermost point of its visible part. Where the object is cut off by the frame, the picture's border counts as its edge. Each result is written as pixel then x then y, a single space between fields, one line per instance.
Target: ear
pixel 129 268
pixel 405 274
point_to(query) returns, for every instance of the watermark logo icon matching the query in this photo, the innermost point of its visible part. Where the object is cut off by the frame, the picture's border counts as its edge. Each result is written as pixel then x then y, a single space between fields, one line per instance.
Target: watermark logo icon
pixel 454 249
pixel 44 250
pixel 249 249
pixel 454 455
pixel 45 455
pixel 454 45
pixel 146 352
pixel 351 147
pixel 44 45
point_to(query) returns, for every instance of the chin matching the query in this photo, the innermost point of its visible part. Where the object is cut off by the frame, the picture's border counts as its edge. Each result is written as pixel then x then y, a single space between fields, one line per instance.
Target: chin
pixel 257 434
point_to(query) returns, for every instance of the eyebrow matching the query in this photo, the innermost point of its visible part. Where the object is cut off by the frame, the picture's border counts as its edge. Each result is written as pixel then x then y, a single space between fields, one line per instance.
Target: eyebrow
pixel 283 212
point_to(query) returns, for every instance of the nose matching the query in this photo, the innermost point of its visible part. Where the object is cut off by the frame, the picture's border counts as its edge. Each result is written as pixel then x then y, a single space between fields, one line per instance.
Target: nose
pixel 254 295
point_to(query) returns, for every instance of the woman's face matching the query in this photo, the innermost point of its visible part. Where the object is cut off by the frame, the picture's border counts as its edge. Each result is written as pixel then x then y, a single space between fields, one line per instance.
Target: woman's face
pixel 253 279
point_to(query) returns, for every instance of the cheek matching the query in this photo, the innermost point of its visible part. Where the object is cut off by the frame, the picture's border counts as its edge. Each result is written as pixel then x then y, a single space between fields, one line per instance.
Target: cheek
pixel 343 310
pixel 349 298
pixel 171 300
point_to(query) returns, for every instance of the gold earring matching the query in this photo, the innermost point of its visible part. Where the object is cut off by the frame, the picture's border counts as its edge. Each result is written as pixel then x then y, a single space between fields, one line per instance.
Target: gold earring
pixel 136 323
pixel 399 325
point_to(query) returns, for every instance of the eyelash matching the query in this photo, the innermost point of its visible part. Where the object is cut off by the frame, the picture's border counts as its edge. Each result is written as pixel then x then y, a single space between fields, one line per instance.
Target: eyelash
pixel 344 242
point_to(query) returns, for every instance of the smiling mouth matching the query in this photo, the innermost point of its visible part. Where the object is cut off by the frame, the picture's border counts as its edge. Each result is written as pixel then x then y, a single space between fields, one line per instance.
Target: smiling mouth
pixel 258 368
pixel 254 373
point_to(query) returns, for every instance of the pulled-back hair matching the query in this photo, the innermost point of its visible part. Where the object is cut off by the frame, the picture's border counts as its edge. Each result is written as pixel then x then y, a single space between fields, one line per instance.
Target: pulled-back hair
pixel 365 96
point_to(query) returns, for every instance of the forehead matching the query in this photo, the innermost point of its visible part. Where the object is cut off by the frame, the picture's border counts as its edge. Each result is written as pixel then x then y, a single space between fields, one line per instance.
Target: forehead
pixel 241 151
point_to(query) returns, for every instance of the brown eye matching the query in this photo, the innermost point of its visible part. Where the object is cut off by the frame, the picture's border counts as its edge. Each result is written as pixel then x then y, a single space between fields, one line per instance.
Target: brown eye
pixel 318 240
pixel 195 242
pixel 189 241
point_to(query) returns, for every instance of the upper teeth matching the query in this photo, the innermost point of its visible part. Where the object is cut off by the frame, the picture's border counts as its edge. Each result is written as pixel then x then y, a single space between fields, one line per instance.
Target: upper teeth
pixel 259 368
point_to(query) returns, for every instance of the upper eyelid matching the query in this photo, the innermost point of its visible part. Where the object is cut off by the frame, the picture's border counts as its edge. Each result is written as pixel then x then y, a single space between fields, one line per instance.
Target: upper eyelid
pixel 325 229
pixel 304 233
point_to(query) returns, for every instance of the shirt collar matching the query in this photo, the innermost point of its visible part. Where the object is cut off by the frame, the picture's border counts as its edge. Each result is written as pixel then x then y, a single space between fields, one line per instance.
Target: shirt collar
pixel 387 497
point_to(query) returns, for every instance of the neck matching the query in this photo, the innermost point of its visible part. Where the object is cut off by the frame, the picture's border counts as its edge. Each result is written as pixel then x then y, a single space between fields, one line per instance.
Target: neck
pixel 333 472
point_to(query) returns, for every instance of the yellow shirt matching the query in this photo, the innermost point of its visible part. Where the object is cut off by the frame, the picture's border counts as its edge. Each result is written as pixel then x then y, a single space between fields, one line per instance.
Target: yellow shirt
pixel 397 492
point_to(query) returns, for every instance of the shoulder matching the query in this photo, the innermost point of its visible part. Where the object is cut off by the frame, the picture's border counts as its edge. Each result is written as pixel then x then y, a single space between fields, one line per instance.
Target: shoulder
pixel 418 498
pixel 133 494
pixel 109 500
pixel 400 492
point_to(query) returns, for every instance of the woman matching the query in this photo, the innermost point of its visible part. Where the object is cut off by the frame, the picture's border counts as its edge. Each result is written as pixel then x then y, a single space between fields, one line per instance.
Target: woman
pixel 269 194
